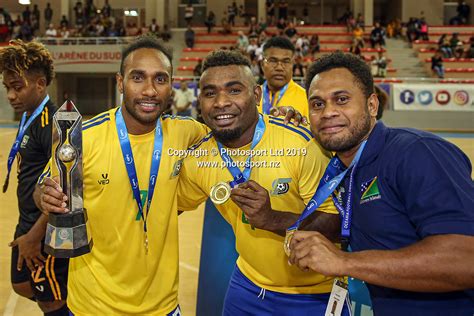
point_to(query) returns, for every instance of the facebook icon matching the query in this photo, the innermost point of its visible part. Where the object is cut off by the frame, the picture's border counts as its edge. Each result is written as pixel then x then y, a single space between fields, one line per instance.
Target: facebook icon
pixel 407 96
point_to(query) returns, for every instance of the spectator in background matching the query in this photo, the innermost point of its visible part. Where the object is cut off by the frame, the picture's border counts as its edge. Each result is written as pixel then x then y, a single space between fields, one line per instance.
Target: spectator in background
pixel 381 62
pixel 358 36
pixel 51 31
pixel 183 100
pixel 166 34
pixel 243 15
pixel 189 37
pixel 231 13
pixel 16 34
pixel 48 14
pixel 412 30
pixel 106 9
pixel 281 26
pixel 35 18
pixel 242 42
pixel 470 53
pixel 64 33
pixel 4 17
pixel 350 24
pixel 283 9
pixel 360 20
pixel 464 10
pixel 314 44
pixel 26 33
pixel 154 28
pixel 27 15
pixel 79 15
pixel 355 49
pixel 270 5
pixel 252 47
pixel 256 69
pixel 457 46
pixel 210 21
pixel 64 22
pixel 198 69
pixel 437 64
pixel 424 30
pixel 290 30
pixel 189 13
pixel 377 36
pixel 305 13
pixel 445 46
pixel 144 29
pixel 298 67
pixel 302 43
pixel 262 26
pixel 226 27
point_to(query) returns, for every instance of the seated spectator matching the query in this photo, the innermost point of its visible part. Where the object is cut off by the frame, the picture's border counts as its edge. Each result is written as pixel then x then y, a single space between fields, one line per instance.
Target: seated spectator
pixel 281 26
pixel 463 11
pixel 412 30
pixel 51 31
pixel 360 20
pixel 377 36
pixel 254 28
pixel 252 47
pixel 298 67
pixel 355 49
pixel 64 22
pixel 132 29
pixel 262 26
pixel 242 42
pixel 144 29
pixel 226 27
pixel 256 68
pixel 210 21
pixel 437 64
pixel 303 44
pixel 183 99
pixel 445 46
pixel 154 28
pixel 166 34
pixel 189 37
pixel 198 69
pixel 457 46
pixel 424 30
pixel 381 63
pixel 189 13
pixel 350 23
pixel 64 33
pixel 314 45
pixel 358 36
pixel 290 30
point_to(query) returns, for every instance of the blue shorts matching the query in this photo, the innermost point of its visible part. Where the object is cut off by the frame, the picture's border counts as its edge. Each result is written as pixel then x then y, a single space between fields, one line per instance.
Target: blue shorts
pixel 245 298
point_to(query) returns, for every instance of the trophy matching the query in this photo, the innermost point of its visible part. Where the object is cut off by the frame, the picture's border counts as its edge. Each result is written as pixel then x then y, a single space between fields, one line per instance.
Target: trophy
pixel 67 235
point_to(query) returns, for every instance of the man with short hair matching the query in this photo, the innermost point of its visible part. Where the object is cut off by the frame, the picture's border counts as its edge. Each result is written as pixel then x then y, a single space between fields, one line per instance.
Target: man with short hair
pixel 406 199
pixel 260 174
pixel 279 89
pixel 27 70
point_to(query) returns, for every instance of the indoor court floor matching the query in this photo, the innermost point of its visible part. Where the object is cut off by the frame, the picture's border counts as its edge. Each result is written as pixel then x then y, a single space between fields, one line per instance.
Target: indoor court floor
pixel 190 234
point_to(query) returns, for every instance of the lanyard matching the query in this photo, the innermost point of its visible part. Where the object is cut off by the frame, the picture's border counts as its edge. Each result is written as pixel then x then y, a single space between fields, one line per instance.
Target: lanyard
pixel 333 175
pixel 267 104
pixel 21 132
pixel 242 176
pixel 130 164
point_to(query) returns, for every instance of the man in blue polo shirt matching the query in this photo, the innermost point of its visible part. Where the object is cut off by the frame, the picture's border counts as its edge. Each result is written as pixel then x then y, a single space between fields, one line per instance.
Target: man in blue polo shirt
pixel 407 203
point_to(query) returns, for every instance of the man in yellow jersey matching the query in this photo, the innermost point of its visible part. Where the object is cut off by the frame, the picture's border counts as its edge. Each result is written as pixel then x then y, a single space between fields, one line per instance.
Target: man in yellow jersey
pixel 133 265
pixel 122 274
pixel 279 89
pixel 274 170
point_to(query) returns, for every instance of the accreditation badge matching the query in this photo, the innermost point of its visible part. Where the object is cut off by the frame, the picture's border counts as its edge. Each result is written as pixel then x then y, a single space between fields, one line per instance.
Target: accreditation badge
pixel 337 298
pixel 220 192
pixel 288 238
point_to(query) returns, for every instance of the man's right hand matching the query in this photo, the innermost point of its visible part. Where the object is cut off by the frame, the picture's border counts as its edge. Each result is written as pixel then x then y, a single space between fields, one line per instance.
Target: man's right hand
pixel 51 197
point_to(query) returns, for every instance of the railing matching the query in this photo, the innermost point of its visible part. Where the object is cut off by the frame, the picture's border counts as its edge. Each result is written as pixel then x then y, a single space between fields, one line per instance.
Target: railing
pixel 86 40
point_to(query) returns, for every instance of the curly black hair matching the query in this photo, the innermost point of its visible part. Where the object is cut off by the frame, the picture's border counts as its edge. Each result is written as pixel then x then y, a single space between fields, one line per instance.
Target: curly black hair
pixel 20 58
pixel 145 41
pixel 338 59
pixel 279 42
pixel 225 58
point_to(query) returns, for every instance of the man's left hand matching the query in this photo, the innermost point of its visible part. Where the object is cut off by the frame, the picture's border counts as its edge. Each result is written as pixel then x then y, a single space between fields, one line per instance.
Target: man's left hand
pixel 254 201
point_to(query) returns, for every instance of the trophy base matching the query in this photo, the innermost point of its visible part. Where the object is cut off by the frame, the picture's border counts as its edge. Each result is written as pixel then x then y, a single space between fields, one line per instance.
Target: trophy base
pixel 67 235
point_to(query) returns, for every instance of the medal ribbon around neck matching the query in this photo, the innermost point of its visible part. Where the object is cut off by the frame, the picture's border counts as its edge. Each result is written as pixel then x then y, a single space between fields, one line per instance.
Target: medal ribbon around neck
pixel 130 163
pixel 332 177
pixel 267 104
pixel 242 176
pixel 21 132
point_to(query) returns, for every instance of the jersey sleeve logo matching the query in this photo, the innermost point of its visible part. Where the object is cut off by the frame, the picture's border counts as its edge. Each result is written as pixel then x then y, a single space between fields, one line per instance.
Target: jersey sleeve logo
pixel 280 186
pixel 176 168
pixel 24 141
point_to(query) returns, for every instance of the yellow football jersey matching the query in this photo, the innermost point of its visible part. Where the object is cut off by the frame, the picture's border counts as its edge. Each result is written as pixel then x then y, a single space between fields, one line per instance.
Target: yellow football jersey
pixel 289 164
pixel 117 276
pixel 294 96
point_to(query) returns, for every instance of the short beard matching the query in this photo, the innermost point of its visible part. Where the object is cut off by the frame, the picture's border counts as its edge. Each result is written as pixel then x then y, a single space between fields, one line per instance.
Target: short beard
pixel 227 135
pixel 358 133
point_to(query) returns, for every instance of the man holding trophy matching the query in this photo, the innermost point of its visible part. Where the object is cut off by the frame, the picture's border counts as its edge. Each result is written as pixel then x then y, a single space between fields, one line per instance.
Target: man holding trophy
pixel 130 193
pixel 27 70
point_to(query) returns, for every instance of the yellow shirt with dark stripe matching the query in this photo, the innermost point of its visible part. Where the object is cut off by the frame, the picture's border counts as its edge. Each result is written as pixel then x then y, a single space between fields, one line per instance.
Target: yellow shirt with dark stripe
pixel 117 276
pixel 300 163
pixel 294 96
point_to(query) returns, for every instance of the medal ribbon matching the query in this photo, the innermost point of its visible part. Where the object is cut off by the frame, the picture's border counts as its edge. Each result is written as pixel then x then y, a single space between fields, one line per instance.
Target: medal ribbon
pixel 267 103
pixel 242 176
pixel 21 132
pixel 130 164
pixel 333 175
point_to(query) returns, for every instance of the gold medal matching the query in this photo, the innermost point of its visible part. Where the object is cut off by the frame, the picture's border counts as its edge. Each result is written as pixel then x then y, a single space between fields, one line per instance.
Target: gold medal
pixel 220 193
pixel 288 238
